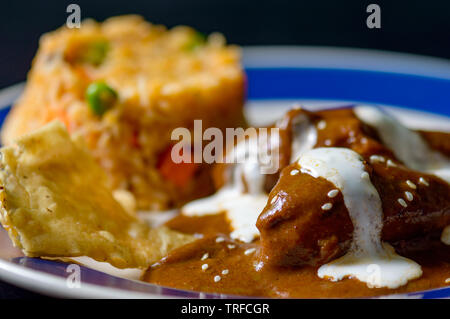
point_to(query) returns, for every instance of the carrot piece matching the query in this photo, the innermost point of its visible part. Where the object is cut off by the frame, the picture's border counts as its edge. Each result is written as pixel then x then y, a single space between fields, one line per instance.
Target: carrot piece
pixel 59 114
pixel 177 173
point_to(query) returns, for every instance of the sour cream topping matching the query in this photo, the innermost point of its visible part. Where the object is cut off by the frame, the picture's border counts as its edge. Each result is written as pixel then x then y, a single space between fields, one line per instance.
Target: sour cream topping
pixel 368 259
pixel 304 136
pixel 242 207
pixel 407 145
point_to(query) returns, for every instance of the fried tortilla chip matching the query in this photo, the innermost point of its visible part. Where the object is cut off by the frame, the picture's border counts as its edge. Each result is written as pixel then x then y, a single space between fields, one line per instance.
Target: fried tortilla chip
pixel 55 203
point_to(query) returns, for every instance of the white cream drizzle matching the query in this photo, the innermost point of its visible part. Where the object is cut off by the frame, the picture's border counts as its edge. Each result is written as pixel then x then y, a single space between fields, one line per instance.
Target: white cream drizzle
pixel 368 259
pixel 304 136
pixel 407 145
pixel 243 208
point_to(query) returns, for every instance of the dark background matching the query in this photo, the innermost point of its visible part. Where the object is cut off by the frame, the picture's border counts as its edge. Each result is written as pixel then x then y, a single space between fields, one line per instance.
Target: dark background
pixel 421 27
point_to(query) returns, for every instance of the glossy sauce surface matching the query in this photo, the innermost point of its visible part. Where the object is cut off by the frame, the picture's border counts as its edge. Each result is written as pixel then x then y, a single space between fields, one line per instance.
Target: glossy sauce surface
pixel 247 275
pixel 302 237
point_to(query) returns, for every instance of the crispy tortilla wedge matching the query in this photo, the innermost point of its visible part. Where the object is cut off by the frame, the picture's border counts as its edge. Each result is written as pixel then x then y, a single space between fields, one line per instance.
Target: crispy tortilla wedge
pixel 55 203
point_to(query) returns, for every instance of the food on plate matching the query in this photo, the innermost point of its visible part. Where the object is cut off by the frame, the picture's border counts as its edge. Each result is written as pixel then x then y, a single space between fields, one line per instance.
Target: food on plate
pixel 243 188
pixel 309 220
pixel 56 202
pixel 342 202
pixel 361 208
pixel 123 86
pixel 358 205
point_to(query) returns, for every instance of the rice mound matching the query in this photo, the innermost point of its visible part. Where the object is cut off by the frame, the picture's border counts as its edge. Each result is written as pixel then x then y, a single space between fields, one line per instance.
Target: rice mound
pixel 164 79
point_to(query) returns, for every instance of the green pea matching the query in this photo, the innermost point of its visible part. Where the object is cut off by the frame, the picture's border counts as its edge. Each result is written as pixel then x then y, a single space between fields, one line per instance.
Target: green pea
pixel 95 52
pixel 198 39
pixel 100 97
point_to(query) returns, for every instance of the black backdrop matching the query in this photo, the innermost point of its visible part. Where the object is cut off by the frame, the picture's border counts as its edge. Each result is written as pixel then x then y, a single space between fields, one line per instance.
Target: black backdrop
pixel 415 26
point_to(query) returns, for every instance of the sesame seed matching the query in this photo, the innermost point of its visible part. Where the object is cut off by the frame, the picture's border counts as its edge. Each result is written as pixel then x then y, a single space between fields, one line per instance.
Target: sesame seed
pixel 390 163
pixel 205 266
pixel 333 193
pixel 409 196
pixel 205 256
pixel 364 175
pixel 155 265
pixel 220 239
pixel 217 278
pixel 327 142
pixel 273 199
pixel 295 172
pixel 249 251
pixel 377 159
pixel 225 272
pixel 231 246
pixel 423 181
pixel 321 125
pixel 351 140
pixel 402 202
pixel 411 184
pixel 327 206
pixel 364 140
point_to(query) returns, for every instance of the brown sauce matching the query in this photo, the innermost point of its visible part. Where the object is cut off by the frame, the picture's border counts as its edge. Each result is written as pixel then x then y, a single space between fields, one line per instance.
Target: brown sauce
pixel 297 240
pixel 206 225
pixel 182 269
